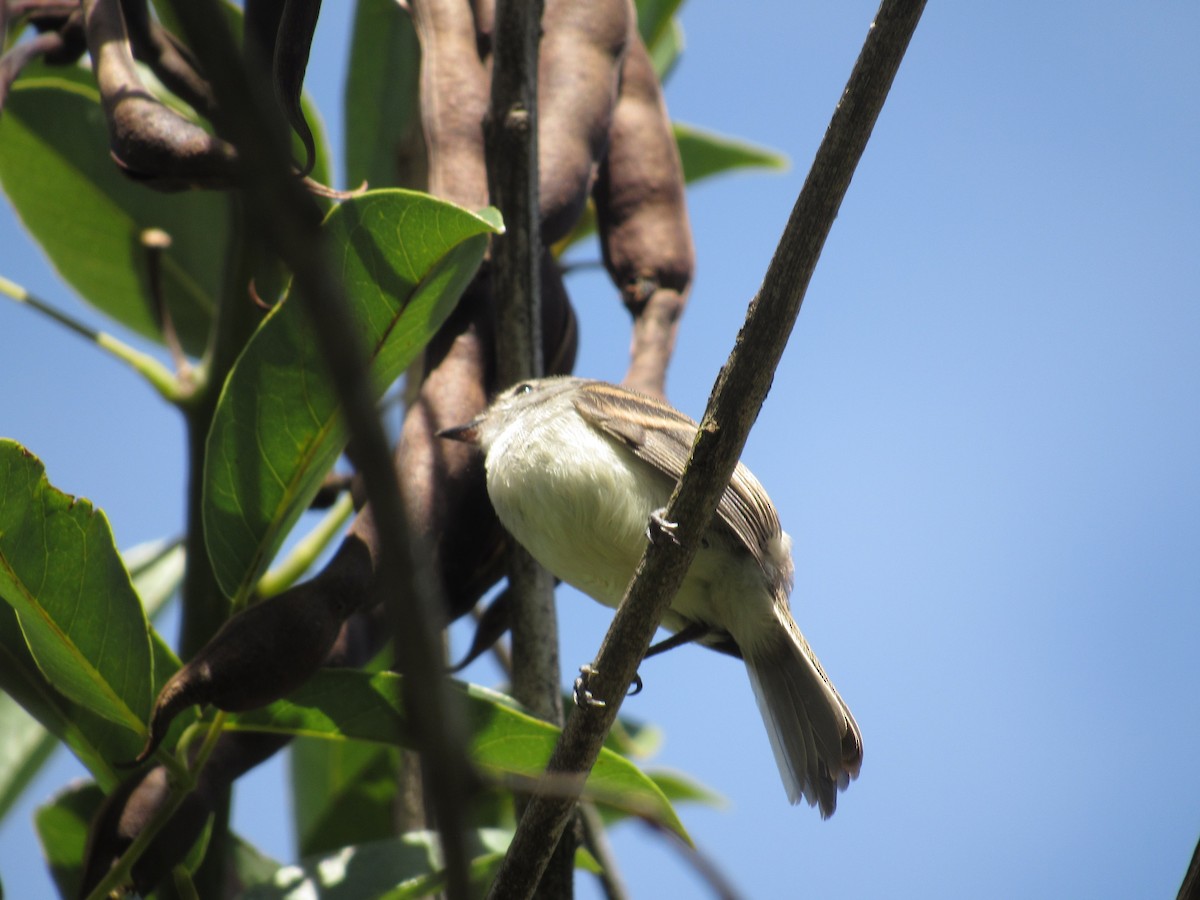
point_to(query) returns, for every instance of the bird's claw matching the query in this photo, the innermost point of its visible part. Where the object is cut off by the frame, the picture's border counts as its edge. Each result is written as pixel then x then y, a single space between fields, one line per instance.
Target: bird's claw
pixel 636 687
pixel 584 697
pixel 659 526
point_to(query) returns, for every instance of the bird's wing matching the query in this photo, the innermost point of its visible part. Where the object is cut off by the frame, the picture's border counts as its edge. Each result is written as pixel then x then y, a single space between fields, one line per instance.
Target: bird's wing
pixel 663 437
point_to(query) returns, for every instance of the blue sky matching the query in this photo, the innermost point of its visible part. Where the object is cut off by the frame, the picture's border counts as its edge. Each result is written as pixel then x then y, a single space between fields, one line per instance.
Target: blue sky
pixel 984 439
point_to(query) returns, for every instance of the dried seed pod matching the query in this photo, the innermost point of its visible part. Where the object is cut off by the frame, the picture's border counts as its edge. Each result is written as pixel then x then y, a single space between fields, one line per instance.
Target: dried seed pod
pixel 578 76
pixel 270 649
pixel 443 487
pixel 16 59
pixel 149 141
pixel 443 481
pixel 127 811
pixel 491 625
pixel 60 42
pixel 642 216
pixel 170 60
pixel 281 31
pixel 454 100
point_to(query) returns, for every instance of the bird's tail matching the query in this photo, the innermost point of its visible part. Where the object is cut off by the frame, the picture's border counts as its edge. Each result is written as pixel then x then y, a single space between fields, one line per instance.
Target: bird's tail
pixel 817 744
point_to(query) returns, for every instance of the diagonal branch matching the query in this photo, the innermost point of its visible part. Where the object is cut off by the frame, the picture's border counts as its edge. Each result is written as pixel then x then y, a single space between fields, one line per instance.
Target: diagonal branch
pixel 736 399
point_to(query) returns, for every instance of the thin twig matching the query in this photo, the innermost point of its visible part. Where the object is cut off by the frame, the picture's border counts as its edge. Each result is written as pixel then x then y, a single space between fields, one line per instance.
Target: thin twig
pixel 155 242
pixel 737 397
pixel 160 378
pixel 595 838
pixel 703 864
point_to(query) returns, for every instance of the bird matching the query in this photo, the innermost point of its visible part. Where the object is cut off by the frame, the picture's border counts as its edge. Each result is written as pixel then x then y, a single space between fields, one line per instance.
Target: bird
pixel 576 468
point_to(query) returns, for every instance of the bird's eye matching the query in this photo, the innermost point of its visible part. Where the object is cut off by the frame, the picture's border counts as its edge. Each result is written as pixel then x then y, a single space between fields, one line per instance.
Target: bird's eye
pixel 523 388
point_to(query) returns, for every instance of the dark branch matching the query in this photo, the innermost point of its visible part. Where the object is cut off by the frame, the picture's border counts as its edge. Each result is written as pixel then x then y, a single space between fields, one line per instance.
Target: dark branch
pixel 511 140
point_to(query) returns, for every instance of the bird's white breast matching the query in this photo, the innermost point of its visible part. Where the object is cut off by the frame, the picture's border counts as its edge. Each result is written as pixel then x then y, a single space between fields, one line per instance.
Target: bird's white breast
pixel 576 500
pixel 580 503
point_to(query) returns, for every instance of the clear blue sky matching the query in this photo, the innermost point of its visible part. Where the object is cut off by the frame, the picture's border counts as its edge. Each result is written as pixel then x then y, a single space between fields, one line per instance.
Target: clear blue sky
pixel 984 438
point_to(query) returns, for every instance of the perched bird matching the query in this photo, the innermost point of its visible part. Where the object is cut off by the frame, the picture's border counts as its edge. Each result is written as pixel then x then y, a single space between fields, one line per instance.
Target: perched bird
pixel 576 468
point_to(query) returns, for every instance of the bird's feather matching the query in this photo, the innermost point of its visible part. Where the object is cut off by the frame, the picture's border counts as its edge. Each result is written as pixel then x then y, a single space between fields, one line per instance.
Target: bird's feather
pixel 663 437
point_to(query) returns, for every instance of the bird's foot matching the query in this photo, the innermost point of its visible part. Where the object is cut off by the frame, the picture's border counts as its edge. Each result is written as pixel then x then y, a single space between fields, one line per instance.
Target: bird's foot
pixel 584 697
pixel 660 527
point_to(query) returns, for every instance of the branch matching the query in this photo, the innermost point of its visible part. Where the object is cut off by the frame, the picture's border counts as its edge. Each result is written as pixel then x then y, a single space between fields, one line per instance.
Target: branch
pixel 159 377
pixel 1190 889
pixel 510 132
pixel 290 219
pixel 511 142
pixel 737 397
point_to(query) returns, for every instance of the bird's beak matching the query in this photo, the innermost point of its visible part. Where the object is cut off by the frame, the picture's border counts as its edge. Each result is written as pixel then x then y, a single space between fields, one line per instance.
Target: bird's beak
pixel 468 434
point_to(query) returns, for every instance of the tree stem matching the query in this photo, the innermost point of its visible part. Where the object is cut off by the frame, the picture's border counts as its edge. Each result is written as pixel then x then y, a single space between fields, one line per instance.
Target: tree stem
pixel 511 139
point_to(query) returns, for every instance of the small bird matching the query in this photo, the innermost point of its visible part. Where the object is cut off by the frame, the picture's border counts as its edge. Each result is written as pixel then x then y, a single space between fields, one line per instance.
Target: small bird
pixel 576 468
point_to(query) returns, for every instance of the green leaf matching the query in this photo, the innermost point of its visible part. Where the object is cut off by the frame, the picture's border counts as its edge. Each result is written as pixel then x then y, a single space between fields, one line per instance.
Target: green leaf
pixel 62 828
pixel 381 97
pixel 156 569
pixel 23 751
pixel 62 574
pixel 343 792
pixel 398 868
pixel 98 743
pixel 57 172
pixel 339 704
pixel 682 788
pixel 63 824
pixel 92 739
pixel 666 52
pixel 308 550
pixel 404 259
pixel 661 33
pixel 628 736
pixel 655 18
pixel 705 154
pixel 251 864
pixel 50 717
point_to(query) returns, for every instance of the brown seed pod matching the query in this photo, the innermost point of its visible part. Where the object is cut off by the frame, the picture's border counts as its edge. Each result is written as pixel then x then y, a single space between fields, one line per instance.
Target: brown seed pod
pixel 278 38
pixel 127 811
pixel 642 216
pixel 578 74
pixel 148 141
pixel 443 480
pixel 454 100
pixel 170 60
pixel 268 650
pixel 21 55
